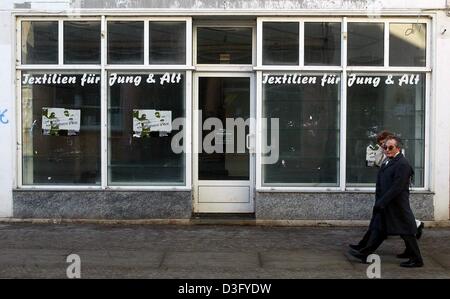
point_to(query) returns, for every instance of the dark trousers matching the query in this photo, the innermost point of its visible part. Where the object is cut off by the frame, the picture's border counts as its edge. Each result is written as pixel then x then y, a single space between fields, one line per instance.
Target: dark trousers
pixel 365 239
pixel 412 248
pixel 374 238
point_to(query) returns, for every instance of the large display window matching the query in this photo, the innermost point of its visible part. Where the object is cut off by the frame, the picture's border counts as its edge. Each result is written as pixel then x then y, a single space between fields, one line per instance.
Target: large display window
pixel 308 115
pixel 334 85
pixel 92 116
pixel 378 102
pixel 88 83
pixel 140 130
pixel 60 129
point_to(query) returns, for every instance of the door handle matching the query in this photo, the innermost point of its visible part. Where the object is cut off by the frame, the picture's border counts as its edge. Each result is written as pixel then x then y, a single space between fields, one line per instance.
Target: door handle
pixel 247 141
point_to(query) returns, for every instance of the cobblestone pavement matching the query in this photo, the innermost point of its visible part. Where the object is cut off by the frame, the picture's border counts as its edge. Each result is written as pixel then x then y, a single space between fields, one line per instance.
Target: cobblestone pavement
pixel 206 251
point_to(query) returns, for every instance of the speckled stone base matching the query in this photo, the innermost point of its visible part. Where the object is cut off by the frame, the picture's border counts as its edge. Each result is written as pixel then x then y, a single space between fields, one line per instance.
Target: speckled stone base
pixel 103 204
pixel 330 206
pixel 178 205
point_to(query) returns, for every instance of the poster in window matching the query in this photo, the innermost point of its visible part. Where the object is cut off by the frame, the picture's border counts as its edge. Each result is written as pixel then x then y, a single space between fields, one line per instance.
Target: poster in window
pixel 147 121
pixel 60 121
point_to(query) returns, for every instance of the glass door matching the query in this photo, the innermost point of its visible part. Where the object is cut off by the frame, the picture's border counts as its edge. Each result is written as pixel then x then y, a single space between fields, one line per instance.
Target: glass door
pixel 223 164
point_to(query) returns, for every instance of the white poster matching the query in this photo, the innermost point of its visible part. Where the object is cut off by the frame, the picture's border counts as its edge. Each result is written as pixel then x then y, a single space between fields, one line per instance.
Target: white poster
pixel 60 121
pixel 146 121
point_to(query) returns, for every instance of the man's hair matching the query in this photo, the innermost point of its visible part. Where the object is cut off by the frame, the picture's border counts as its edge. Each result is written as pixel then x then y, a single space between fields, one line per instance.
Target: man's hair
pixel 398 141
pixel 384 135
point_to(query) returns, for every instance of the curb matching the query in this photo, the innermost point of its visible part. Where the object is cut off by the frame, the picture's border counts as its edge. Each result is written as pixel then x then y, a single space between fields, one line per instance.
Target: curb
pixel 235 222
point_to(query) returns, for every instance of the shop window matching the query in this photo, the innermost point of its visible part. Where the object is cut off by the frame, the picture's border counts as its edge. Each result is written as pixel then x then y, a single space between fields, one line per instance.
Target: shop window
pixel 281 43
pixel 407 44
pixel 140 151
pixel 125 42
pixel 322 43
pixel 39 42
pixel 61 129
pixel 167 42
pixel 365 44
pixel 308 114
pixel 223 45
pixel 389 102
pixel 82 42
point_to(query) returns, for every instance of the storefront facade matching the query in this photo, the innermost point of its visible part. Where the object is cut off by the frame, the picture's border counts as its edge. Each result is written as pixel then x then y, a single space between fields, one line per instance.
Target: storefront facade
pixel 148 110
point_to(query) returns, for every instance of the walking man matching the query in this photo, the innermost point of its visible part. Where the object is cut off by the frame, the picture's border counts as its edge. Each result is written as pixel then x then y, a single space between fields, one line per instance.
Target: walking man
pixel 377 161
pixel 392 214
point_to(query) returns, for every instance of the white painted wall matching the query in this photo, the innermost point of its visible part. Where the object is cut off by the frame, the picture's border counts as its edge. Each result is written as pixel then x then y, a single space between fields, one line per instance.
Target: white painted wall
pixel 440 118
pixel 440 145
pixel 58 5
pixel 37 4
pixel 7 109
pixel 7 101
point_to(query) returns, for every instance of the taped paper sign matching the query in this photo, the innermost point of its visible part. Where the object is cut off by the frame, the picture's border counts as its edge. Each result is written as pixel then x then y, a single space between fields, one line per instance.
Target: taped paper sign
pixel 60 121
pixel 372 155
pixel 146 121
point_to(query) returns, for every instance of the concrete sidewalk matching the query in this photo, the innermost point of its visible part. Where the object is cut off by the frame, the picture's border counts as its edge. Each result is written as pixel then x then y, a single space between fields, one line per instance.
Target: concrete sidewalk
pixel 205 251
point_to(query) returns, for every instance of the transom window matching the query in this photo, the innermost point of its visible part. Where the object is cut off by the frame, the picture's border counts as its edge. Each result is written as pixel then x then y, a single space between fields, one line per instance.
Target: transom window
pixel 224 45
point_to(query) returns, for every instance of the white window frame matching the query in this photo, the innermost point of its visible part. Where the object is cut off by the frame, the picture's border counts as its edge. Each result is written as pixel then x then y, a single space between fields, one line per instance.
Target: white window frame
pixel 344 70
pixel 301 65
pixel 102 69
pixel 224 67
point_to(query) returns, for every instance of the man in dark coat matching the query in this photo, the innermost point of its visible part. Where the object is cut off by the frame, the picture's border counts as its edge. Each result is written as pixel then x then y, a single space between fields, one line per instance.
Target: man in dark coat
pixel 380 157
pixel 392 212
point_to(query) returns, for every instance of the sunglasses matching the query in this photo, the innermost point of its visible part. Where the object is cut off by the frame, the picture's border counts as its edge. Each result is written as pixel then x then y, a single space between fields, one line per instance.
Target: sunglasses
pixel 389 148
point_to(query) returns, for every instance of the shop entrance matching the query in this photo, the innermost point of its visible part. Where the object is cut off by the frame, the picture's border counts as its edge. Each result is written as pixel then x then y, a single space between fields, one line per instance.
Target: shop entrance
pixel 223 169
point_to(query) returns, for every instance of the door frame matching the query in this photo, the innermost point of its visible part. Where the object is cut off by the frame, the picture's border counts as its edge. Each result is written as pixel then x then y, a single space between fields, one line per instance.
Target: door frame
pixel 196 183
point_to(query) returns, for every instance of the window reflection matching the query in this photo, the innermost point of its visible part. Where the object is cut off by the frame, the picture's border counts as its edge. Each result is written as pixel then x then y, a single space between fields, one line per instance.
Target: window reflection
pixel 365 44
pixel 81 42
pixel 398 109
pixel 222 45
pixel 167 43
pixel 39 42
pixel 407 45
pixel 322 43
pixel 224 98
pixel 125 42
pixel 140 158
pixel 309 133
pixel 59 156
pixel 280 43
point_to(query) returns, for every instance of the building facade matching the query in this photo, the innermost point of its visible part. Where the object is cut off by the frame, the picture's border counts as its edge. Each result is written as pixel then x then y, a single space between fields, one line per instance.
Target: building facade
pixel 168 109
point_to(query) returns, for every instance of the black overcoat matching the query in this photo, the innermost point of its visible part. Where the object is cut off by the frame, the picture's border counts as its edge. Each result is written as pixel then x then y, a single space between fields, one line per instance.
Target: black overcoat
pixel 392 212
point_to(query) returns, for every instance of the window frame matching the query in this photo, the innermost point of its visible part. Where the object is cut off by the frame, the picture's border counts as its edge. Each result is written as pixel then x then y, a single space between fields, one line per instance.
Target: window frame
pixel 224 67
pixel 305 186
pixel 302 35
pixel 257 67
pixel 103 68
pixel 140 185
pixel 343 70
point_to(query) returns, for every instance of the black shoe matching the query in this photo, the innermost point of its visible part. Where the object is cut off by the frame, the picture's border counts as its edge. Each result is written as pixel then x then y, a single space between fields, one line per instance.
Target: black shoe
pixel 412 264
pixel 404 255
pixel 420 230
pixel 358 255
pixel 355 247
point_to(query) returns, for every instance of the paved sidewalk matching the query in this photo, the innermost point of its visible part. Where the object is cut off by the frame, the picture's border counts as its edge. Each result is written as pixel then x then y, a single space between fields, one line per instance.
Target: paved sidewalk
pixel 205 251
